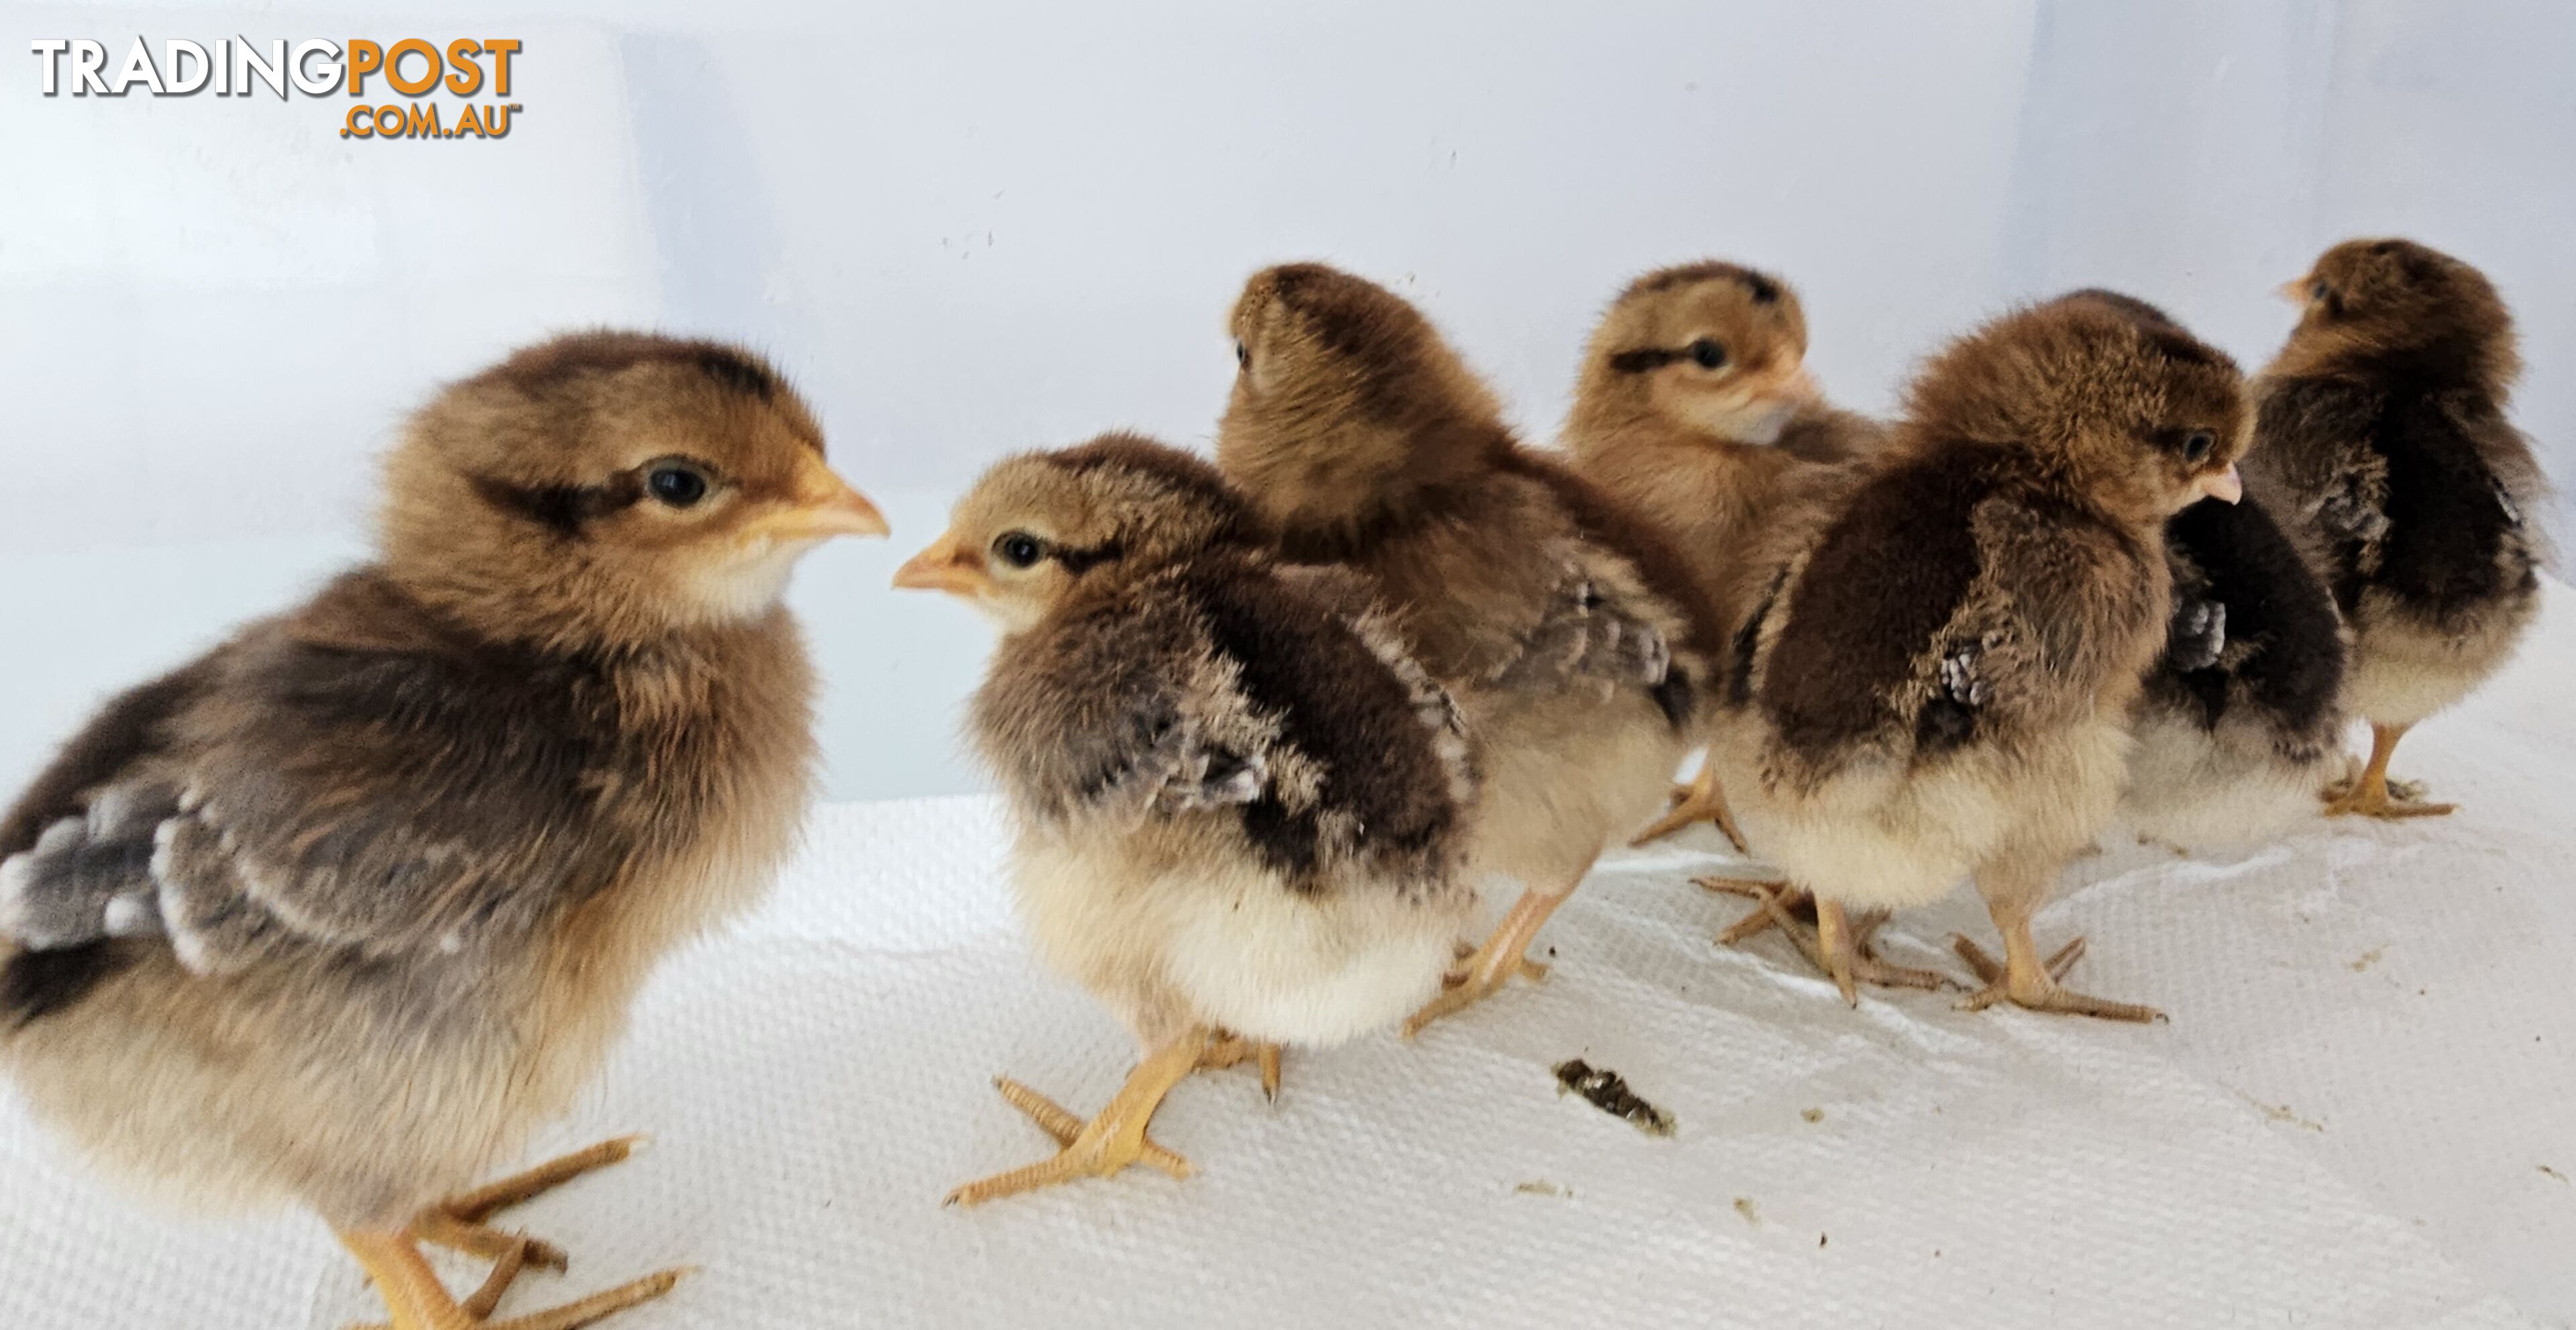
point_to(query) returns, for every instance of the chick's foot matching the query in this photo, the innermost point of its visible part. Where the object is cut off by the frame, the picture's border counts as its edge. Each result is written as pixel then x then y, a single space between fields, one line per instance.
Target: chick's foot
pixel 1793 899
pixel 1700 801
pixel 417 1301
pixel 1841 949
pixel 2035 987
pixel 2381 798
pixel 1106 1144
pixel 2371 794
pixel 1484 970
pixel 459 1224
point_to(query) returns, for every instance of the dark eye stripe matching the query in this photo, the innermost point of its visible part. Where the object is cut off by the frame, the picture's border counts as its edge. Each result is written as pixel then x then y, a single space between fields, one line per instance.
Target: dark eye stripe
pixel 1644 359
pixel 567 509
pixel 1078 562
pixel 564 509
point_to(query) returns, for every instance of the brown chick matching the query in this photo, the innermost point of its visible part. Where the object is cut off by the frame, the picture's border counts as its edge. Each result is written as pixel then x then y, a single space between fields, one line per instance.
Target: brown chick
pixel 338 912
pixel 1571 633
pixel 2381 429
pixel 1695 409
pixel 1241 807
pixel 1937 682
pixel 2239 715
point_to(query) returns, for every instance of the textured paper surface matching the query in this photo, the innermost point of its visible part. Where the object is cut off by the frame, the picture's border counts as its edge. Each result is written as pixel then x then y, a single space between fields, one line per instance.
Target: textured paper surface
pixel 2360 1115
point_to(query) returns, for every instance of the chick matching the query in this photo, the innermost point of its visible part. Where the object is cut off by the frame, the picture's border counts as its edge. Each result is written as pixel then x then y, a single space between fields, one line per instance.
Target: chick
pixel 1938 679
pixel 2238 718
pixel 1572 635
pixel 1694 408
pixel 2382 431
pixel 338 912
pixel 1241 806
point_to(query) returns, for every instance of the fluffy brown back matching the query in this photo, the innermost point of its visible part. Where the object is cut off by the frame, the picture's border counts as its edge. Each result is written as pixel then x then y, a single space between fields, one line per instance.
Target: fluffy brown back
pixel 1364 437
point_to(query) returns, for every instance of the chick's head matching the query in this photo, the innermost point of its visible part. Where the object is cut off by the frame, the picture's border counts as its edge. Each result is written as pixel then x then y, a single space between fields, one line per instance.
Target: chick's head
pixel 1714 347
pixel 613 486
pixel 1040 528
pixel 2396 298
pixel 2102 394
pixel 1345 399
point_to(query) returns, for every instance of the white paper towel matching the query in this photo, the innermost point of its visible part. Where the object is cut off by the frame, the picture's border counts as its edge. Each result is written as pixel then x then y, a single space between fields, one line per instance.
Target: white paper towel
pixel 2360 1115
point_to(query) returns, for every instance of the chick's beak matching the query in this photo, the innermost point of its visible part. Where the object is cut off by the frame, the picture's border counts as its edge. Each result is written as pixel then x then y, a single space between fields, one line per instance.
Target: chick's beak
pixel 945 566
pixel 2225 486
pixel 2294 290
pixel 824 506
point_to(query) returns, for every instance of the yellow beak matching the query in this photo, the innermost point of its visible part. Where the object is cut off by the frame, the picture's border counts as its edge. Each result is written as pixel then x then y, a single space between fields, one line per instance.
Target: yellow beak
pixel 825 506
pixel 2294 290
pixel 2225 486
pixel 945 566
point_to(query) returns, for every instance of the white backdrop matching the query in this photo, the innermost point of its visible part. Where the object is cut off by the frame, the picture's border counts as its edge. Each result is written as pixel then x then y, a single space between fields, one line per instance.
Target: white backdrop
pixel 971 228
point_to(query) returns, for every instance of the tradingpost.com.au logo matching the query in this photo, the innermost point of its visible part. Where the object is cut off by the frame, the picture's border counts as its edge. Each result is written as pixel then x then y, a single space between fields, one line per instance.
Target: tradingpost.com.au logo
pixel 230 67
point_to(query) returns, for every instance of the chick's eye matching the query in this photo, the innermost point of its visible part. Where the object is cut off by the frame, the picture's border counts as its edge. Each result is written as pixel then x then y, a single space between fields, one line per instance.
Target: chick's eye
pixel 676 485
pixel 1707 354
pixel 2196 446
pixel 1019 549
pixel 1242 356
pixel 2318 290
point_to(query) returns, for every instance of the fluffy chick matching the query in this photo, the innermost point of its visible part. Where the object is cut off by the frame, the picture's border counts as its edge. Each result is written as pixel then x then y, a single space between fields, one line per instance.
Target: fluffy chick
pixel 2239 718
pixel 2381 430
pixel 1242 807
pixel 1937 680
pixel 338 912
pixel 1694 408
pixel 1571 633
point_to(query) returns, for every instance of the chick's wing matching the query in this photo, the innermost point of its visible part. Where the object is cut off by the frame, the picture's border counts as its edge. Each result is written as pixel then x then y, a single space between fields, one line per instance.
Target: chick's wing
pixel 387 802
pixel 1592 627
pixel 2058 608
pixel 2313 459
pixel 1124 708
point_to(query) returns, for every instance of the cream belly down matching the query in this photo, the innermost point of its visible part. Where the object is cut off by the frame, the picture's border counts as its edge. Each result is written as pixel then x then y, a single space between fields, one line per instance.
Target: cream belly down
pixel 2402 672
pixel 1876 836
pixel 2192 786
pixel 1170 943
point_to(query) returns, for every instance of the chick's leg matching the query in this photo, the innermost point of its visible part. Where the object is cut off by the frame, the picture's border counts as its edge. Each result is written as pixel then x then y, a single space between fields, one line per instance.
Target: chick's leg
pixel 2368 794
pixel 2013 894
pixel 417 1301
pixel 1487 968
pixel 1703 800
pixel 1107 1143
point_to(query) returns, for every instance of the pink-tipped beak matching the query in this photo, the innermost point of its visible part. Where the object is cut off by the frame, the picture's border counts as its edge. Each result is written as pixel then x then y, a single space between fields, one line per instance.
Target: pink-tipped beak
pixel 2225 486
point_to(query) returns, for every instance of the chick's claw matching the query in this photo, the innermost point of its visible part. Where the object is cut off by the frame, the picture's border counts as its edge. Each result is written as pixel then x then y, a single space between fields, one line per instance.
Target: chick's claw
pixel 1228 1049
